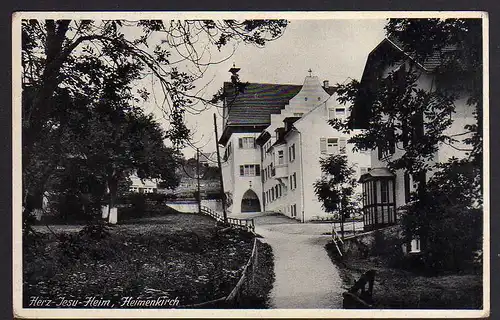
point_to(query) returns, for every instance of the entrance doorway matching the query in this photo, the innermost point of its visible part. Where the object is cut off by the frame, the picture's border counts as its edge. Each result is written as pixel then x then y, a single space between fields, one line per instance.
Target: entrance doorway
pixel 250 202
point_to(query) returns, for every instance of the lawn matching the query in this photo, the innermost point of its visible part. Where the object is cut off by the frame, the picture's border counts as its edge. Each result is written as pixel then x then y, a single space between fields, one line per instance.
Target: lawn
pixel 401 289
pixel 182 256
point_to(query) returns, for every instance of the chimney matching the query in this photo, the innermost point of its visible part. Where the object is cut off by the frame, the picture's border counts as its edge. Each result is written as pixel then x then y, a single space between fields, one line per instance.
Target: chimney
pixel 326 84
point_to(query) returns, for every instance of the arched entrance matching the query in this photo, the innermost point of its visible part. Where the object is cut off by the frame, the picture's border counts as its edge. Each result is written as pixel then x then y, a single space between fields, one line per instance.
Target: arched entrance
pixel 250 202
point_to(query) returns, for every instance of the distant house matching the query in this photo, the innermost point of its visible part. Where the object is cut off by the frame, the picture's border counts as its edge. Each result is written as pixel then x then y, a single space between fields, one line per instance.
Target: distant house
pixel 385 191
pixel 275 136
pixel 208 159
pixel 143 186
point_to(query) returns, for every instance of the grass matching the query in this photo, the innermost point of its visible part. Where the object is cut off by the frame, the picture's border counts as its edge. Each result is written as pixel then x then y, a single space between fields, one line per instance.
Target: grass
pixel 176 255
pixel 401 289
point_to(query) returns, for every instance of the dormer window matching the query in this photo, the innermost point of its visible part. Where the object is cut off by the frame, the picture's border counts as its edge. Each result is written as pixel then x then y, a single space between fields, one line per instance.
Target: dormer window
pixel 305 99
pixel 298 114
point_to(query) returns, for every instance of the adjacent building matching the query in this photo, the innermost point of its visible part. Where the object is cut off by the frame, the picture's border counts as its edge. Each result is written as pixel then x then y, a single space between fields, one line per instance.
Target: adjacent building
pixel 274 136
pixel 385 191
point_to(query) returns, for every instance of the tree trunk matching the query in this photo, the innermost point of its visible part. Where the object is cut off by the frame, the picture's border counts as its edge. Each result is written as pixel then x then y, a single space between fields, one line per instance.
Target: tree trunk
pixel 33 206
pixel 113 196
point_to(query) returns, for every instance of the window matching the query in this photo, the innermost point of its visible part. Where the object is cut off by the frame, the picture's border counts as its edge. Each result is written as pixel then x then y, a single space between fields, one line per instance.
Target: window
pixel 276 191
pixel 336 113
pixel 246 143
pixel 332 145
pixel 298 114
pixel 250 170
pixel 388 147
pixel 281 156
pixel 293 181
pixel 291 153
pixel 384 191
pixel 293 210
pixel 415 245
pixel 340 112
pixel 272 194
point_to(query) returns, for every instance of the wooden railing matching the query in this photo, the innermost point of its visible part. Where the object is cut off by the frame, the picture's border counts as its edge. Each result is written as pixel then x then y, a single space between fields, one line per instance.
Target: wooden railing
pixel 244 224
pixel 337 240
pixel 211 213
pixel 244 284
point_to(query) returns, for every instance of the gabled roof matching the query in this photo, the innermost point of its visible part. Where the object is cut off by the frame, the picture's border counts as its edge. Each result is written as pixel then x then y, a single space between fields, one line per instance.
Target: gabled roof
pixel 387 52
pixel 253 107
pixel 258 101
pixel 430 63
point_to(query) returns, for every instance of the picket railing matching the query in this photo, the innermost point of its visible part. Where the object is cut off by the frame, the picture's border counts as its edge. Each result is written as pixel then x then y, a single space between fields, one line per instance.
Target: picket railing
pixel 244 224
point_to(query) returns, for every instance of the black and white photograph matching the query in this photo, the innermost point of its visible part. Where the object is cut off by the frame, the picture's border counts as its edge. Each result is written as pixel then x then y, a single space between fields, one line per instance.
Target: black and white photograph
pixel 250 164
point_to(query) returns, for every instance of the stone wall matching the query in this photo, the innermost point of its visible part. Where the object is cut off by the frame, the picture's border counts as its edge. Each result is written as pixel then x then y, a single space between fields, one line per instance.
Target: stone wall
pixel 373 242
pixel 191 206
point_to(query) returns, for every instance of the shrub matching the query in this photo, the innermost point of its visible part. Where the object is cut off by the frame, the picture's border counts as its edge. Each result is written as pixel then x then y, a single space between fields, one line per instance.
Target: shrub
pixel 96 231
pixel 448 217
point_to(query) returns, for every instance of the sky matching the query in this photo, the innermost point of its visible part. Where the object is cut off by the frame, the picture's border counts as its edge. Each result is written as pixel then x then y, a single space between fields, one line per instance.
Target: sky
pixel 334 50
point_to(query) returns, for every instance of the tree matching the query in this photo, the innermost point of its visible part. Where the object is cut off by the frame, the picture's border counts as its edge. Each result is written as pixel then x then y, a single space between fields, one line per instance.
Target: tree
pixel 416 119
pixel 449 218
pixel 405 116
pixel 67 62
pixel 335 189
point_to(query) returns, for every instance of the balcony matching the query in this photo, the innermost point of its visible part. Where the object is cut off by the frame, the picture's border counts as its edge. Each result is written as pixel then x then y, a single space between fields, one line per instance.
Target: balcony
pixel 280 171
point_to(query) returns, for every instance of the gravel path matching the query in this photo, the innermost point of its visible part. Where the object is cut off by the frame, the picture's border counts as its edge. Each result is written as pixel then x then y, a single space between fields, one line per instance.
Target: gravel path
pixel 305 275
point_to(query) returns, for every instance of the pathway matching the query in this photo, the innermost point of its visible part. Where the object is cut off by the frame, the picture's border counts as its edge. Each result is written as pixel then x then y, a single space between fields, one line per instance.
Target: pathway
pixel 305 275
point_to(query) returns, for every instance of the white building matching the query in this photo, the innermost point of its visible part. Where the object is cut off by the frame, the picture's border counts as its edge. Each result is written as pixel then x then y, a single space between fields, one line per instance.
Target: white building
pixel 384 191
pixel 143 186
pixel 275 136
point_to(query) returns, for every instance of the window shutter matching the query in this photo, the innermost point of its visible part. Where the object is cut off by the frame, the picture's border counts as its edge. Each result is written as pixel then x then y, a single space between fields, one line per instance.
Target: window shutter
pixel 342 145
pixel 322 145
pixel 242 170
pixel 240 142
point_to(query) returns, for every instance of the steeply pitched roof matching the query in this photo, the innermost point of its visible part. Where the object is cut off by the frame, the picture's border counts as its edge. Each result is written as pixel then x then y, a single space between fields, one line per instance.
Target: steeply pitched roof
pixel 258 101
pixel 387 52
pixel 431 62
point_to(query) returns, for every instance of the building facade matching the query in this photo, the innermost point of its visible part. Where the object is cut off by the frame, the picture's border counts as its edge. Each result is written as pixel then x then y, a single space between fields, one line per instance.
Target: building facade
pixel 385 191
pixel 272 165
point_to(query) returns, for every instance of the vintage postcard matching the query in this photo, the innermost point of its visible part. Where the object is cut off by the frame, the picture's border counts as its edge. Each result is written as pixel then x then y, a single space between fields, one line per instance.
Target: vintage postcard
pixel 250 164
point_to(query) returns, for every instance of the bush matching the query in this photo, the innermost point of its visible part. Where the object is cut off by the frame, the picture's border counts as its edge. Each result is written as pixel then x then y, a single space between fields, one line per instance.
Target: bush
pixel 448 217
pixel 97 231
pixel 389 246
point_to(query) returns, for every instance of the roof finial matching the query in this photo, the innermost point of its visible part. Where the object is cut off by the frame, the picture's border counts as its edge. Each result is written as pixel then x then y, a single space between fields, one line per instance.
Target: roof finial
pixel 234 70
pixel 310 72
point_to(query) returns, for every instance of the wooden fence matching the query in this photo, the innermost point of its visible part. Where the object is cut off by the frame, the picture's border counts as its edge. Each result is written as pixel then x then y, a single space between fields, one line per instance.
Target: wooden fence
pixel 245 283
pixel 244 224
pixel 337 240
